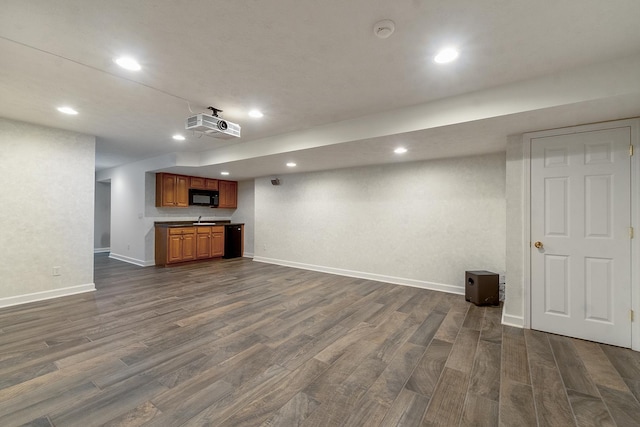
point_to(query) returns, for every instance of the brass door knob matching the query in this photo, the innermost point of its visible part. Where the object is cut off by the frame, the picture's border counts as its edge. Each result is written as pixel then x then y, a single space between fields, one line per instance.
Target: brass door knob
pixel 538 245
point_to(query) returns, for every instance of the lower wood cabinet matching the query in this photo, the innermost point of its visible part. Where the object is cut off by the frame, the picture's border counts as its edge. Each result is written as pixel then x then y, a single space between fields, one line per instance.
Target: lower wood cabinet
pixel 209 242
pixel 180 244
pixel 217 241
pixel 203 242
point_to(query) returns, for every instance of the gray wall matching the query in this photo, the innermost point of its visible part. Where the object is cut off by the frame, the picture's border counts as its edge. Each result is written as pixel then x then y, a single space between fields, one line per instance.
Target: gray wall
pixel 102 217
pixel 246 214
pixel 46 214
pixel 513 310
pixel 421 224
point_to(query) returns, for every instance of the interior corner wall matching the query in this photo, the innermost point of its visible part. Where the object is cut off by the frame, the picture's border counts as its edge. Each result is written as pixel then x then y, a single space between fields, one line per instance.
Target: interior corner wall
pixel 513 310
pixel 127 214
pixel 102 217
pixel 246 214
pixel 420 224
pixel 46 214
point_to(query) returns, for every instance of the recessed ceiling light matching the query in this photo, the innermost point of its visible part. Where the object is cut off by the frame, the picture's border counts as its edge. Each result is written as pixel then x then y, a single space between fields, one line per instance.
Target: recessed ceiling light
pixel 256 114
pixel 128 63
pixel 291 165
pixel 178 137
pixel 224 173
pixel 400 150
pixel 67 110
pixel 446 55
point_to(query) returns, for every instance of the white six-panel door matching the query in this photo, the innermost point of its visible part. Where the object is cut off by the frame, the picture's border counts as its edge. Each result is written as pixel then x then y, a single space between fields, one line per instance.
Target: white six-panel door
pixel 580 221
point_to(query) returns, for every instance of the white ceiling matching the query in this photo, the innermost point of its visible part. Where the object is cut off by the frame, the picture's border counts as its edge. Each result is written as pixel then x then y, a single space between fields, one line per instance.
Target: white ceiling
pixel 307 65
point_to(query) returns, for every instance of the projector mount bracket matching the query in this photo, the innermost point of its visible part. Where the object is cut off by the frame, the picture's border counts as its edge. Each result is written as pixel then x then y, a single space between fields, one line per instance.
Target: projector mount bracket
pixel 214 111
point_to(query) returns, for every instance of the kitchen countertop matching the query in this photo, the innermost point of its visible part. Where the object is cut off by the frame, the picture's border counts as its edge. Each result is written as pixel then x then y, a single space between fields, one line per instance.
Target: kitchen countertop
pixel 204 223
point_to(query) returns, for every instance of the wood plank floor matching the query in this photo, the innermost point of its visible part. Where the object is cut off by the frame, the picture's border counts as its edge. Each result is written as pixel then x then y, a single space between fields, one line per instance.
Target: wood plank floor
pixel 240 343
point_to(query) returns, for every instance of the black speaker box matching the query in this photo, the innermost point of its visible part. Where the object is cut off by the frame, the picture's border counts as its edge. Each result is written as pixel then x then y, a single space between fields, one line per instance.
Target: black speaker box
pixel 482 287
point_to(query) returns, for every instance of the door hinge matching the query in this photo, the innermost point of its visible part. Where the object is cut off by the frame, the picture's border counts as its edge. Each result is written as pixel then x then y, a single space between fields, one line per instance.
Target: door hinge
pixel 631 232
pixel 630 150
pixel 631 315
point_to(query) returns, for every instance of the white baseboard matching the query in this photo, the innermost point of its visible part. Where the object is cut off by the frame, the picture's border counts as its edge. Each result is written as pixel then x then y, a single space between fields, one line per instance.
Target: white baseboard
pixel 101 250
pixel 130 260
pixel 44 295
pixel 515 321
pixel 452 289
pixel 247 255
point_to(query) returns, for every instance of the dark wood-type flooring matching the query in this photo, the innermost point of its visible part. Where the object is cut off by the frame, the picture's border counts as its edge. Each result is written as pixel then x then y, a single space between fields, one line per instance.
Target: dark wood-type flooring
pixel 236 342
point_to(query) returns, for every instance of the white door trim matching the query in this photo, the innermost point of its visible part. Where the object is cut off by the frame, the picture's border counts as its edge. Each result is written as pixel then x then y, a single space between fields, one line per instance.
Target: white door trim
pixel 634 124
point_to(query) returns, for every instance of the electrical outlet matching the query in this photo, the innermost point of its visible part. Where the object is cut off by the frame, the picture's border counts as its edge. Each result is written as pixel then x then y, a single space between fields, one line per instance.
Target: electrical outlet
pixel 128 247
pixel 56 271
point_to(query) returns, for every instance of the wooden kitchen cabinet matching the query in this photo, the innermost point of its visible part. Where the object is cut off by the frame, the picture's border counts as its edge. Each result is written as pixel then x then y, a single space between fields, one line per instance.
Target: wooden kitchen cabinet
pixel 211 184
pixel 217 241
pixel 172 190
pixel 203 242
pixel 175 245
pixel 228 194
pixel 196 182
pixel 180 244
pixel 203 183
pixel 209 242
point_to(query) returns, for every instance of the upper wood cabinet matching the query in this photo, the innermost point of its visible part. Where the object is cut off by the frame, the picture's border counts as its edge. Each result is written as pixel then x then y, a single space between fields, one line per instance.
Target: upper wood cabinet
pixel 197 182
pixel 172 190
pixel 203 183
pixel 210 184
pixel 228 194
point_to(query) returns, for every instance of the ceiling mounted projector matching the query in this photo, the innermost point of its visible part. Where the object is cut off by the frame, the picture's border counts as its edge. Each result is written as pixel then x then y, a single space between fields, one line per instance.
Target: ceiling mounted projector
pixel 213 126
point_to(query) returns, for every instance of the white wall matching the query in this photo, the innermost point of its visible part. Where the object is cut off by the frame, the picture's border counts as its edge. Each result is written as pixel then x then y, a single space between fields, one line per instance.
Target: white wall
pixel 246 214
pixel 127 215
pixel 102 217
pixel 513 310
pixel 422 224
pixel 46 214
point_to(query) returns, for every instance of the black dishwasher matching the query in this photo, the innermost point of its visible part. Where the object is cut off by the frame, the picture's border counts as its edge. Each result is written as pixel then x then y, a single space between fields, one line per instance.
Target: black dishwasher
pixel 232 241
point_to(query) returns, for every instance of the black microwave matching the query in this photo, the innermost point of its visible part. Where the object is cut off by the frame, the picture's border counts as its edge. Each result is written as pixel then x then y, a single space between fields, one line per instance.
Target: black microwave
pixel 203 198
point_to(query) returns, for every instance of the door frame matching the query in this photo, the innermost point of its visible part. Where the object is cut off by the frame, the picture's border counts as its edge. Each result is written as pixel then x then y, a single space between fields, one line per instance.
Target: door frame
pixel 634 125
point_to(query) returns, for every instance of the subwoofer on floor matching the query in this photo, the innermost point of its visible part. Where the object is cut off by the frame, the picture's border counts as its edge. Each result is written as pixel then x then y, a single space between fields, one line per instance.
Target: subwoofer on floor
pixel 482 287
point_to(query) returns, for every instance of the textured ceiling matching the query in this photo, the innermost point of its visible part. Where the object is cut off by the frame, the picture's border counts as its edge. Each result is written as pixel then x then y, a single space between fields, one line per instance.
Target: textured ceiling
pixel 305 64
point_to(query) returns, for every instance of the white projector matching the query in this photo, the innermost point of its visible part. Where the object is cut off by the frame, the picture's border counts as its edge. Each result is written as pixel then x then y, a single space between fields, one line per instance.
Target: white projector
pixel 213 126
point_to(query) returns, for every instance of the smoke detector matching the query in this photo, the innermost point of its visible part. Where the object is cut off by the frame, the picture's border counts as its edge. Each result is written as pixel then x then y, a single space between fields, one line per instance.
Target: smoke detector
pixel 384 28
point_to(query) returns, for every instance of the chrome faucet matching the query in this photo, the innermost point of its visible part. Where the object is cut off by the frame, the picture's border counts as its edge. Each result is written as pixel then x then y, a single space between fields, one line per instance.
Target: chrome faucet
pixel 199 219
